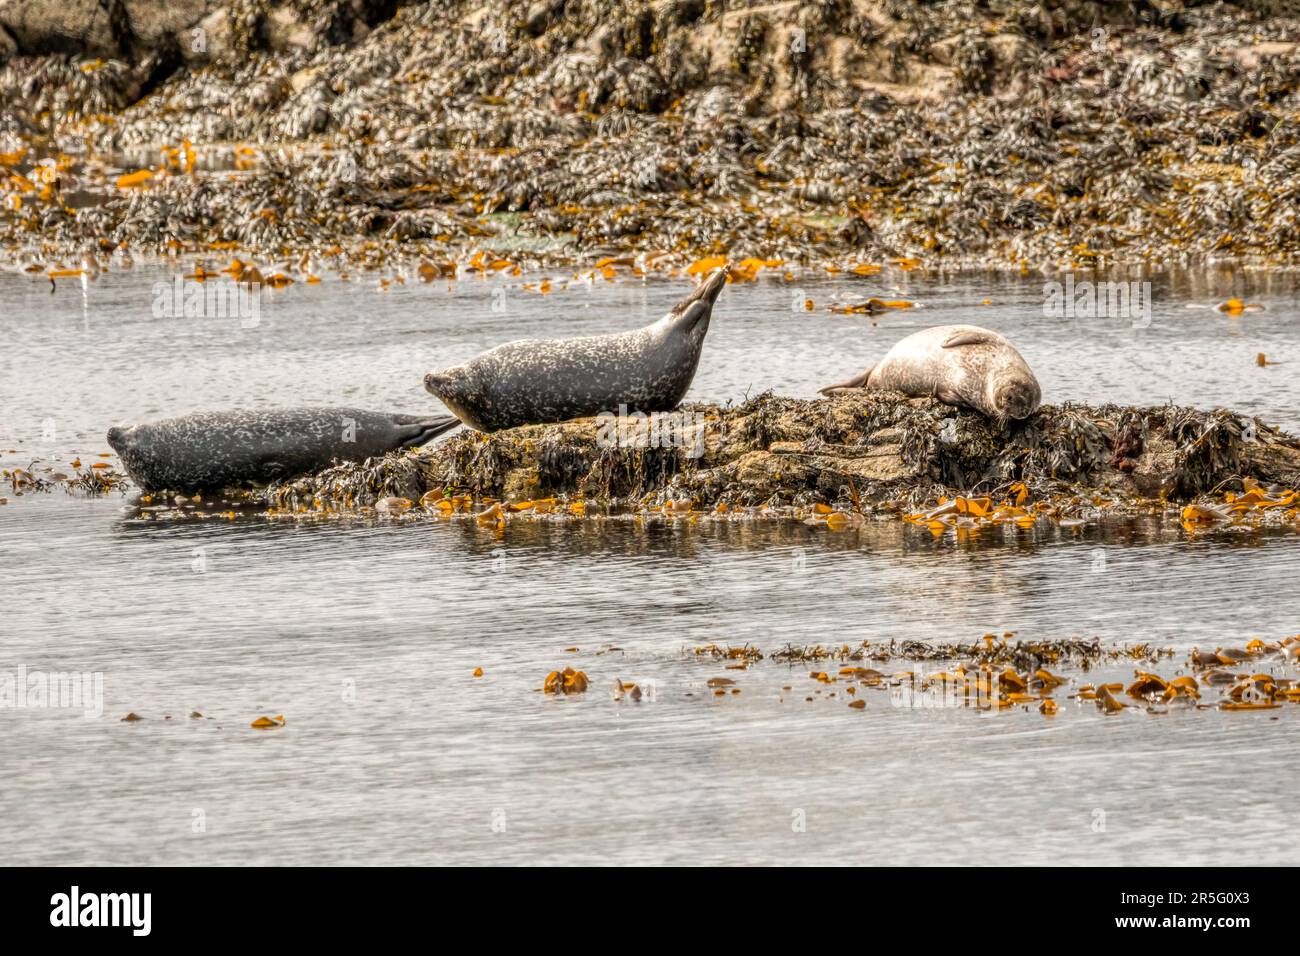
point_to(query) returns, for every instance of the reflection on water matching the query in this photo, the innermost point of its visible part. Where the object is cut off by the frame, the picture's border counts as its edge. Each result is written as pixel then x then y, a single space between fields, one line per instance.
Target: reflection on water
pixel 365 634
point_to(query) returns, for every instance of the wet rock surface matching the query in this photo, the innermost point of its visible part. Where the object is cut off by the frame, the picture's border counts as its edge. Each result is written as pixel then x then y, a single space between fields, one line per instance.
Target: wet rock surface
pixel 1017 135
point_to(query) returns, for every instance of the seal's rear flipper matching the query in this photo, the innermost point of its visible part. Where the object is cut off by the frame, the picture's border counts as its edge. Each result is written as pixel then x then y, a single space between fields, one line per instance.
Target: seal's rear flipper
pixel 859 381
pixel 427 429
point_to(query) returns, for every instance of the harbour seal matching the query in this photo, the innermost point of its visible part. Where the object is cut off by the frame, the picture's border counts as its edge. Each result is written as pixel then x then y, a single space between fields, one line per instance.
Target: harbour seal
pixel 230 448
pixel 958 365
pixel 533 382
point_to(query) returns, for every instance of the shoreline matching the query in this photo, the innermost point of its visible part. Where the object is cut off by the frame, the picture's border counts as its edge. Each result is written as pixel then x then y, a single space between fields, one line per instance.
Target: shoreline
pixel 797 133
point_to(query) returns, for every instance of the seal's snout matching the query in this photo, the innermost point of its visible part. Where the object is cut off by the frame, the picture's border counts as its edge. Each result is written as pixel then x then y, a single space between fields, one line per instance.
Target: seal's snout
pixel 450 386
pixel 706 293
pixel 693 312
pixel 436 383
pixel 710 287
pixel 116 438
pixel 1015 400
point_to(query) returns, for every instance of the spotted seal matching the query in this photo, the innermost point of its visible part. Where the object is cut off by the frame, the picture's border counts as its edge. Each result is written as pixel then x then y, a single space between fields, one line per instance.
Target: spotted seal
pixel 958 365
pixel 218 449
pixel 534 382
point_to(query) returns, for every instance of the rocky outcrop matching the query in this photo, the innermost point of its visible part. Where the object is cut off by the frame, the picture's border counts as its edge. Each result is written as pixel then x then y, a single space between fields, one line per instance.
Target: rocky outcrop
pixel 870 448
pixel 188 29
pixel 989 133
pixel 61 26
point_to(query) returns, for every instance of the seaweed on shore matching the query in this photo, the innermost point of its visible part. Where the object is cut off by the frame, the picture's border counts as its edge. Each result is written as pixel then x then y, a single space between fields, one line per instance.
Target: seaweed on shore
pixel 1209 446
pixel 996 674
pixel 990 650
pixel 1071 135
pixel 892 450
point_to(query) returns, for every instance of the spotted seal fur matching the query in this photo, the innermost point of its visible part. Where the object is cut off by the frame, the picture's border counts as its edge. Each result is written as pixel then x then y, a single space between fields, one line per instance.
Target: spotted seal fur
pixel 221 449
pixel 533 382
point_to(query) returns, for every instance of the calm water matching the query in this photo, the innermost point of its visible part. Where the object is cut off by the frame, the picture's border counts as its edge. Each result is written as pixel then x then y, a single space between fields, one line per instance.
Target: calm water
pixel 365 635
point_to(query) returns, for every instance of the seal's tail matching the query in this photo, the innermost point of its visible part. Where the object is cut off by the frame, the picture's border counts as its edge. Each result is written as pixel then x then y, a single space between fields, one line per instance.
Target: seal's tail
pixel 425 430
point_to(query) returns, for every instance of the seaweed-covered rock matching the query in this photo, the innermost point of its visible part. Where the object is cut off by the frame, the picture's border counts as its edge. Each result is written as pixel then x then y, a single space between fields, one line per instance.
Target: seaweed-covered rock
pixel 198 29
pixel 120 28
pixel 60 26
pixel 866 447
pixel 991 132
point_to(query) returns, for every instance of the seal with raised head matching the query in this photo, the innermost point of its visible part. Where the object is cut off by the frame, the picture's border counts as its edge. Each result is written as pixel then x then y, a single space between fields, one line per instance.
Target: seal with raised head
pixel 221 449
pixel 535 382
pixel 958 365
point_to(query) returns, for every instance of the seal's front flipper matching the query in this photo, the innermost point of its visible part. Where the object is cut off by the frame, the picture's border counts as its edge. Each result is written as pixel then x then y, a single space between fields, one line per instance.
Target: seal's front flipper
pixel 426 430
pixel 859 381
pixel 966 338
pixel 948 396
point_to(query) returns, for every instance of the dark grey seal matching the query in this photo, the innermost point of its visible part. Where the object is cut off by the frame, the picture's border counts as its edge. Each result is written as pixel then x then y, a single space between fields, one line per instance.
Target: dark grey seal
pixel 232 448
pixel 534 382
pixel 958 365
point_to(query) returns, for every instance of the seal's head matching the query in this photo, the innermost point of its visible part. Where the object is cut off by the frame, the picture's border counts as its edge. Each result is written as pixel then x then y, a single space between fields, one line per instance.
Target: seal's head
pixel 119 438
pixel 692 314
pixel 125 440
pixel 455 387
pixel 1012 397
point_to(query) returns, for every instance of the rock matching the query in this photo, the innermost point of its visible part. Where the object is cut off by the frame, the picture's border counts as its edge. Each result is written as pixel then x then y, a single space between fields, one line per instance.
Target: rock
pixel 943 51
pixel 883 447
pixel 1046 138
pixel 155 26
pixel 196 29
pixel 304 78
pixel 1250 57
pixel 1151 476
pixel 79 27
pixel 540 15
pixel 284 30
pixel 211 39
pixel 121 29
